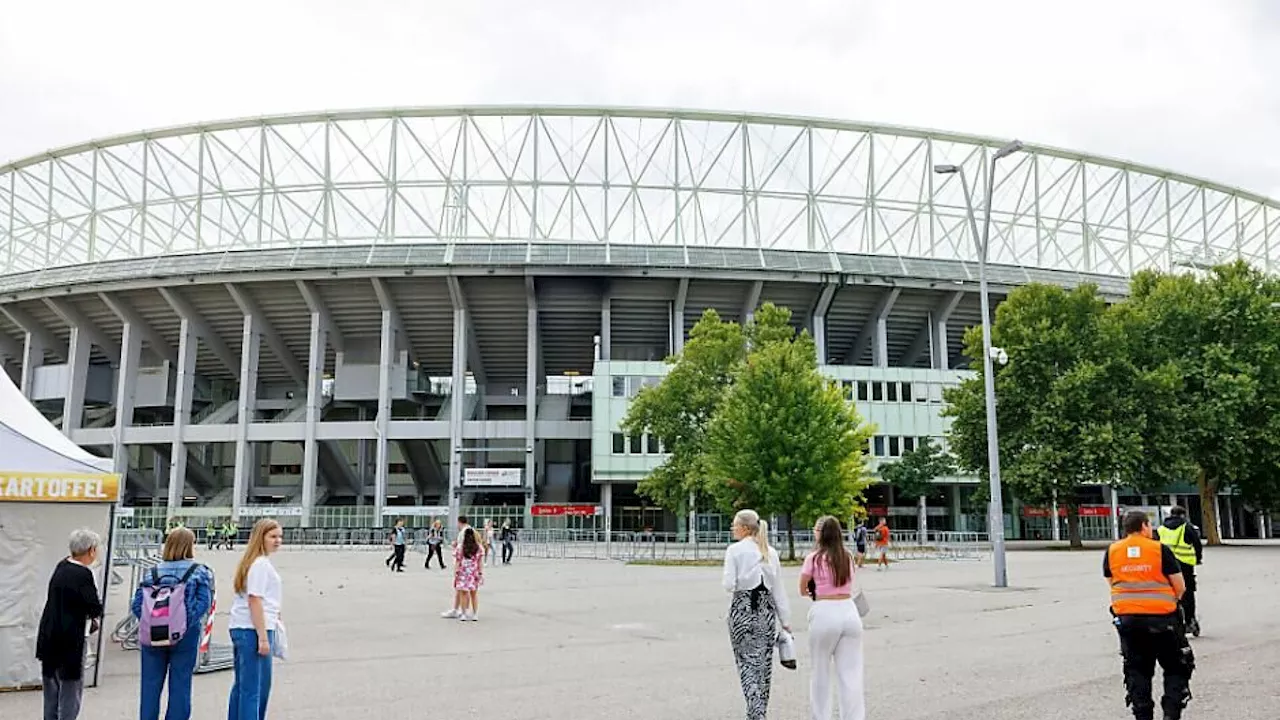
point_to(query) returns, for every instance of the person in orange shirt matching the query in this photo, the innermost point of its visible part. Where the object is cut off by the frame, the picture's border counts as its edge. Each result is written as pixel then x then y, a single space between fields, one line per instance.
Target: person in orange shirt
pixel 1146 583
pixel 882 545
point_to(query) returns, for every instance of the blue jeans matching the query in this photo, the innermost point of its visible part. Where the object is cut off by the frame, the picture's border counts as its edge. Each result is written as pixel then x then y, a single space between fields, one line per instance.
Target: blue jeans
pixel 252 686
pixel 178 662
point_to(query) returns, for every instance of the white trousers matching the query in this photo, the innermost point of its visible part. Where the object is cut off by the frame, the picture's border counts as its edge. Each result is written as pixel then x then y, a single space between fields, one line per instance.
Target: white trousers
pixel 835 638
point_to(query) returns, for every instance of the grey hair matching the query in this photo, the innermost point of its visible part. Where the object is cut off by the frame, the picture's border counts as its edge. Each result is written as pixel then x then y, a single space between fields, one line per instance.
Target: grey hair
pixel 82 541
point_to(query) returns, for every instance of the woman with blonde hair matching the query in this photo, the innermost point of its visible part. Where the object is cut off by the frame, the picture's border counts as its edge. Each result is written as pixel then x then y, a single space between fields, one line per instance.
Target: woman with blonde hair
pixel 255 622
pixel 169 648
pixel 759 604
pixel 835 627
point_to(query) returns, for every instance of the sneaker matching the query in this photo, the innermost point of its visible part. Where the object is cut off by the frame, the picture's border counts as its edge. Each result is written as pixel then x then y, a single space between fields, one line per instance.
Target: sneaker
pixel 473 617
pixel 463 617
pixel 453 614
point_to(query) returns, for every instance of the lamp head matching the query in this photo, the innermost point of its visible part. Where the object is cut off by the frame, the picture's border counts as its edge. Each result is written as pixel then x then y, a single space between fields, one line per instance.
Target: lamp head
pixel 946 169
pixel 1009 149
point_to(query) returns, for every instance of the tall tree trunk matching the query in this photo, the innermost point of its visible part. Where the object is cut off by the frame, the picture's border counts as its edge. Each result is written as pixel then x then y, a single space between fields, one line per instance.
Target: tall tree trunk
pixel 791 538
pixel 1073 526
pixel 924 521
pixel 1208 488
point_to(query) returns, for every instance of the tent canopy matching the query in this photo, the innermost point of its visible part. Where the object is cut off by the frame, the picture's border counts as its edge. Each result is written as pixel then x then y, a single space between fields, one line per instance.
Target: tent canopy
pixel 30 443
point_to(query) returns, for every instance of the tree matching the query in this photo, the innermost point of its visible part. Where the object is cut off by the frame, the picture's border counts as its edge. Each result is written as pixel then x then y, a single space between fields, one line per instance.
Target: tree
pixel 913 476
pixel 1217 338
pixel 784 441
pixel 678 409
pixel 1068 407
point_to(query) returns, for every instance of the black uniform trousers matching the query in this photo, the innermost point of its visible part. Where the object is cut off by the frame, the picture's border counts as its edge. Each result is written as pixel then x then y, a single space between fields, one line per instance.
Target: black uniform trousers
pixel 1144 641
pixel 1189 597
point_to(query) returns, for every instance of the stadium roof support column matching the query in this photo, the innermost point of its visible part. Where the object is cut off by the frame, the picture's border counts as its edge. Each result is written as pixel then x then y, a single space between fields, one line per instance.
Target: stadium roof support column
pixel 819 321
pixel 534 377
pixel 472 344
pixel 246 468
pixel 876 328
pixel 386 358
pixel 159 346
pixel 9 349
pixel 126 392
pixel 315 407
pixel 315 305
pixel 264 330
pixel 677 316
pixel 934 333
pixel 37 341
pixel 751 302
pixel 457 402
pixel 187 347
pixel 83 335
pixel 606 326
pixel 201 329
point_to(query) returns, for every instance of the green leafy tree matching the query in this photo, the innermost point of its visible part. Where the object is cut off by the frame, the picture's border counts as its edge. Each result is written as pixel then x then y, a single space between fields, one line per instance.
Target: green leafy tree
pixel 784 441
pixel 915 473
pixel 678 409
pixel 1069 410
pixel 1215 338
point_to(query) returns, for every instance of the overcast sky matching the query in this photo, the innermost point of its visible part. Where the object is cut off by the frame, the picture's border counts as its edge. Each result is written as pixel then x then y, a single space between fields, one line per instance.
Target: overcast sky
pixel 1185 85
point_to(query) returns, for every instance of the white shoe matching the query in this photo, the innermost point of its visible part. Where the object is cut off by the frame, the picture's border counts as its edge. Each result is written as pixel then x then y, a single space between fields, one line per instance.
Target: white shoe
pixel 463 617
pixel 451 614
pixel 473 617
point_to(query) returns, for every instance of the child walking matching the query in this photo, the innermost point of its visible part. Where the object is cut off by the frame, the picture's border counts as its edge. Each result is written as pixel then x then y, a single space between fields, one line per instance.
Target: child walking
pixel 468 575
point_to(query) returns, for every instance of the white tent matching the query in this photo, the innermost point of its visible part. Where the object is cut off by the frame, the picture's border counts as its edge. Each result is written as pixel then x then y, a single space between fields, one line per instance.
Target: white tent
pixel 49 486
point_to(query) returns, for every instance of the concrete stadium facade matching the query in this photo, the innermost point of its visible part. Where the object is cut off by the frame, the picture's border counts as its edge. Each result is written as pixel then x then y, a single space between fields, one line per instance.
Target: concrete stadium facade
pixel 276 312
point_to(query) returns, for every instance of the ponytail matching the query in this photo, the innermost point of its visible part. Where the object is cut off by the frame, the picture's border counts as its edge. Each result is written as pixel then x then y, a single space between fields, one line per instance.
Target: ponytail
pixel 762 539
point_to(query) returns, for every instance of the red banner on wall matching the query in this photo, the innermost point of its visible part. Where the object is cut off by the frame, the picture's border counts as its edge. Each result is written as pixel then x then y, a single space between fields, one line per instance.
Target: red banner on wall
pixel 1083 511
pixel 554 509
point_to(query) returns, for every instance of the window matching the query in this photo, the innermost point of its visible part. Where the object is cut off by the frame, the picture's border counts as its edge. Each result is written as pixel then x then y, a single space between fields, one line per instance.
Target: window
pixel 908 444
pixel 862 390
pixel 892 391
pixel 895 449
pixel 619 443
pixel 922 394
pixel 877 392
pixel 637 445
pixel 906 392
pixel 651 445
pixel 879 446
pixel 935 392
pixel 620 386
pixel 846 387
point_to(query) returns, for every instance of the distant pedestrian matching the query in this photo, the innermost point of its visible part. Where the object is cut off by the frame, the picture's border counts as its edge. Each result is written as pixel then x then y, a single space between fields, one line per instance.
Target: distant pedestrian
pixel 835 627
pixel 468 575
pixel 1183 540
pixel 255 622
pixel 162 654
pixel 435 541
pixel 72 602
pixel 882 545
pixel 489 538
pixel 508 538
pixel 752 574
pixel 860 543
pixel 398 546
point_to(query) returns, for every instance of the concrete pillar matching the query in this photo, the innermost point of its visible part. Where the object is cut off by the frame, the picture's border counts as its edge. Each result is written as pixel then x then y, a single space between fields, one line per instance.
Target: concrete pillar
pixel 1115 512
pixel 606 503
pixel 315 406
pixel 32 358
pixel 819 323
pixel 957 513
pixel 880 342
pixel 386 358
pixel 246 470
pixel 533 378
pixel 1231 518
pixel 606 328
pixel 187 347
pixel 940 359
pixel 77 376
pixel 126 386
pixel 458 403
pixel 676 324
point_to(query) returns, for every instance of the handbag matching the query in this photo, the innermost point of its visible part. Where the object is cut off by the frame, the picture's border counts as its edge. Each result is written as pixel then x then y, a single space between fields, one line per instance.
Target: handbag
pixel 280 643
pixel 786 643
pixel 860 601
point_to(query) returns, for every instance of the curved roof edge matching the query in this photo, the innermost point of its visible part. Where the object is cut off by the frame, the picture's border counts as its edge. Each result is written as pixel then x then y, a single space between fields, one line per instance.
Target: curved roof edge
pixel 534 258
pixel 624 111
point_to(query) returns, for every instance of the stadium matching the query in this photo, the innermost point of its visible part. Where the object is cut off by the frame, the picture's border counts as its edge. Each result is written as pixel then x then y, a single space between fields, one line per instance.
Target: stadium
pixel 342 317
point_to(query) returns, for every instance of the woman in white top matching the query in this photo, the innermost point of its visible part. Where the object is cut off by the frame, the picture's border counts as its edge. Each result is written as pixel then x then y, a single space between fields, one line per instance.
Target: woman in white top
pixel 255 618
pixel 759 604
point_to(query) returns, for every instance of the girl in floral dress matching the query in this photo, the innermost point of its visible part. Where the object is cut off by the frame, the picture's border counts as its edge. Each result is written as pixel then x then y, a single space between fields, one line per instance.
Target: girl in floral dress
pixel 468 574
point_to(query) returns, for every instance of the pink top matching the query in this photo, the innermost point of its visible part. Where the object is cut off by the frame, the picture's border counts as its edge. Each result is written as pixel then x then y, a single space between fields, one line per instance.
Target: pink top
pixel 821 574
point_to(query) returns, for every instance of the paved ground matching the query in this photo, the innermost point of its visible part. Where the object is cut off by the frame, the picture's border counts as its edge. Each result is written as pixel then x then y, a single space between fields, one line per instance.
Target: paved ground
pixel 586 639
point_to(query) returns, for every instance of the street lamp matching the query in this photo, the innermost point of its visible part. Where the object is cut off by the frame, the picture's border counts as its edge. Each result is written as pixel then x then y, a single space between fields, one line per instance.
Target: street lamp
pixel 996 510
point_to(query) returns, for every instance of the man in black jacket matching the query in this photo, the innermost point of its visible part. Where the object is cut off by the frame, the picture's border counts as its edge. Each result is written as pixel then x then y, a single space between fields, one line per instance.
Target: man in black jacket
pixel 1179 535
pixel 73 601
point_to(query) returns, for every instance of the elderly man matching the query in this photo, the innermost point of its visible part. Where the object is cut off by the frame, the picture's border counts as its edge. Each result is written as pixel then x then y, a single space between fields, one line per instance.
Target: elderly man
pixel 72 602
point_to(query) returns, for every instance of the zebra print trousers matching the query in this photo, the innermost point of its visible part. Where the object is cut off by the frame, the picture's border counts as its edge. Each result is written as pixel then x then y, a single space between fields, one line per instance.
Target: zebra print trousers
pixel 753 632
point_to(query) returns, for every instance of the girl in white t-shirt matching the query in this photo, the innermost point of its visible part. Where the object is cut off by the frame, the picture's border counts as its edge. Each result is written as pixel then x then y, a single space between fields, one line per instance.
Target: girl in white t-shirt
pixel 255 619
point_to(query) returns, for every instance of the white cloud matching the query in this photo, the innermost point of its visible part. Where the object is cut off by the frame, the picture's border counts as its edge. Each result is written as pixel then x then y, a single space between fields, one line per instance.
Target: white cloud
pixel 1177 84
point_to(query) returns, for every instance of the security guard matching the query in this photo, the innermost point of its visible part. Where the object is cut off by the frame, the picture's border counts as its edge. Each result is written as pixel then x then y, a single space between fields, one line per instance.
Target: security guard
pixel 1183 538
pixel 1146 582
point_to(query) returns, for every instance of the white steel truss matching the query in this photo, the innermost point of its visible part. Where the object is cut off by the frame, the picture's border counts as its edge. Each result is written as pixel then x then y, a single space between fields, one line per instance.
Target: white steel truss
pixel 609 176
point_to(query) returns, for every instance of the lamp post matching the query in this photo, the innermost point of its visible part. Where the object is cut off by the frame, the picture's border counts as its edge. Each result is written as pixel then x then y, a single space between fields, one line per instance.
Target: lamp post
pixel 995 520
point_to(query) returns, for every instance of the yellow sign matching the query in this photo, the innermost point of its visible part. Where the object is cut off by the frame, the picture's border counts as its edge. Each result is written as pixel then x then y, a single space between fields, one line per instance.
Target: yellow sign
pixel 58 487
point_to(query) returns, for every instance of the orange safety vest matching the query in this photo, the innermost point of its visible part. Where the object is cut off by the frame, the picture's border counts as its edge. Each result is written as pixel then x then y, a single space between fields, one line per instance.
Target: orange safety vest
pixel 1138 583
